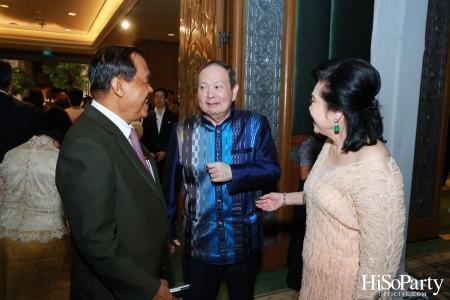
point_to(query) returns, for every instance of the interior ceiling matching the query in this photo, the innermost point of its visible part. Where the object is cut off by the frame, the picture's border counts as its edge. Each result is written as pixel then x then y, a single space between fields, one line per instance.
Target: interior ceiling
pixel 42 25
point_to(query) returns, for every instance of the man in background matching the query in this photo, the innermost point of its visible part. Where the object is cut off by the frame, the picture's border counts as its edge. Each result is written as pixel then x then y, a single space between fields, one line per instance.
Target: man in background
pixel 158 128
pixel 172 104
pixel 15 115
pixel 112 197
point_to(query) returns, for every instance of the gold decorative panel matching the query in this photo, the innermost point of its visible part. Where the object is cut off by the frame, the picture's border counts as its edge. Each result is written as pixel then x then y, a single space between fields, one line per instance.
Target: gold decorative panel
pixel 197 46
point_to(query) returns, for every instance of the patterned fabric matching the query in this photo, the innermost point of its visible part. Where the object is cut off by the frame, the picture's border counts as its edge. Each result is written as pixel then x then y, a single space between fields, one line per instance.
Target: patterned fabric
pixel 220 221
pixel 309 151
pixel 30 206
pixel 354 227
pixel 137 148
pixel 35 270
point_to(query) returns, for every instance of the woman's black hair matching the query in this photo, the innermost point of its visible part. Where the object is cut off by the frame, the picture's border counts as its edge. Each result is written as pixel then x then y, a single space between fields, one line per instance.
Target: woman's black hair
pixel 54 122
pixel 36 97
pixel 75 96
pixel 350 86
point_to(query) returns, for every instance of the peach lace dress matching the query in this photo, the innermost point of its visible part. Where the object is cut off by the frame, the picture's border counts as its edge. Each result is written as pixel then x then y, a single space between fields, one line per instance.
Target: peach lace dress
pixel 354 226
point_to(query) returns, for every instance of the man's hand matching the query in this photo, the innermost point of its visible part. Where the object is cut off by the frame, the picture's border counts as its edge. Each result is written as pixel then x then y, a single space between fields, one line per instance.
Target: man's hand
pixel 163 292
pixel 160 155
pixel 219 172
pixel 172 246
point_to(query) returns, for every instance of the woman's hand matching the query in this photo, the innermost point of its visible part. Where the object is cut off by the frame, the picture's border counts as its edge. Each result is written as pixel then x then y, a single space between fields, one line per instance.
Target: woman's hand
pixel 270 202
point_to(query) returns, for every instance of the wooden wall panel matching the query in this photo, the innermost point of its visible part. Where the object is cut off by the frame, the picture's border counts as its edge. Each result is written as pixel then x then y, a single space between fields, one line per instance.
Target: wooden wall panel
pixel 162 60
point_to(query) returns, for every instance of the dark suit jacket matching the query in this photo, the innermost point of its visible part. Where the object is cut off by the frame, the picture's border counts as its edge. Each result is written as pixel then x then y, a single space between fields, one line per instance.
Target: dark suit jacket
pixel 116 212
pixel 155 141
pixel 15 119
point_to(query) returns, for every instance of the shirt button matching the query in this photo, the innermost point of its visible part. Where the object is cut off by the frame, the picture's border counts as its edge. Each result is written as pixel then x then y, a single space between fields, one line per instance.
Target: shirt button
pixel 218 201
pixel 220 223
pixel 218 153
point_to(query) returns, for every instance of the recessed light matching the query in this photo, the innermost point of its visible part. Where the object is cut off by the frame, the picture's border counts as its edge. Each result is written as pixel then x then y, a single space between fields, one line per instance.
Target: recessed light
pixel 38 12
pixel 125 24
pixel 4 5
pixel 12 23
pixel 72 14
pixel 67 29
pixel 171 34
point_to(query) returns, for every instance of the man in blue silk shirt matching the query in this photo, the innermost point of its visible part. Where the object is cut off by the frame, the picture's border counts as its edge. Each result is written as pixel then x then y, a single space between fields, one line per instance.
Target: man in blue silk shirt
pixel 224 156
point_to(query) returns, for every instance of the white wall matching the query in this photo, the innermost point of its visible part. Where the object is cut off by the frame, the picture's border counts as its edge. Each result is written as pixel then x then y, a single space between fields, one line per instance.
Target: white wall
pixel 398 44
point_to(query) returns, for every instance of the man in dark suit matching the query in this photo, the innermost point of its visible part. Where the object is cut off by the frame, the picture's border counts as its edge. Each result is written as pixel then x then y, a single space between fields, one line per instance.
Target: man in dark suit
pixel 15 115
pixel 158 128
pixel 112 197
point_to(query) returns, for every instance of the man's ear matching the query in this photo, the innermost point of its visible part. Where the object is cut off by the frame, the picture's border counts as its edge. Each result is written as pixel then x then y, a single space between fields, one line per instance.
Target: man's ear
pixel 116 85
pixel 11 84
pixel 234 91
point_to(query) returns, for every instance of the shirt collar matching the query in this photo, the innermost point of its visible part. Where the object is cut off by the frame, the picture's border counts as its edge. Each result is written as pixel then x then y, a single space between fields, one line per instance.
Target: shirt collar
pixel 163 110
pixel 228 119
pixel 4 92
pixel 123 126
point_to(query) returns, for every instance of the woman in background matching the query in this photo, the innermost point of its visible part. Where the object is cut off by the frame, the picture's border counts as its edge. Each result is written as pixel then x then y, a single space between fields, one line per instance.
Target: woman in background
pixel 354 193
pixel 308 153
pixel 76 98
pixel 34 246
pixel 36 97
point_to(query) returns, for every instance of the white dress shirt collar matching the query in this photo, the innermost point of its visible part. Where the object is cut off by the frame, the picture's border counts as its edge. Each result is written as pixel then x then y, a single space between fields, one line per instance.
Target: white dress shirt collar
pixel 123 126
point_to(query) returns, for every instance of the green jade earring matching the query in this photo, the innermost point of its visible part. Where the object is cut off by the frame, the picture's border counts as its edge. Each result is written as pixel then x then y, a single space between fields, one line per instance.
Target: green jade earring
pixel 336 125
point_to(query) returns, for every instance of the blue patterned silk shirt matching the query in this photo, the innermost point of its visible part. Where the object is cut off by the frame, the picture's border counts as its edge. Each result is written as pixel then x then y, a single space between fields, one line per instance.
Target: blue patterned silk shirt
pixel 221 224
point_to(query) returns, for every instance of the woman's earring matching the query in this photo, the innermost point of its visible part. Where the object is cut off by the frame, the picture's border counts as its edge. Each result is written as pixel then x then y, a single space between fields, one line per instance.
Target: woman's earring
pixel 336 125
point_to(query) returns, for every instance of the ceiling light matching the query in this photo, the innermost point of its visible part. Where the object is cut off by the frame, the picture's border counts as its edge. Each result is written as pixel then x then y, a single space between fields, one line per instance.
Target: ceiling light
pixel 67 29
pixel 4 5
pixel 12 23
pixel 72 14
pixel 38 12
pixel 171 34
pixel 125 24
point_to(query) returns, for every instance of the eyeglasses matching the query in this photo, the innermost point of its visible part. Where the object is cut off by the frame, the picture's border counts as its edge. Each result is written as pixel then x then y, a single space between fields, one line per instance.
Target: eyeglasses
pixel 160 97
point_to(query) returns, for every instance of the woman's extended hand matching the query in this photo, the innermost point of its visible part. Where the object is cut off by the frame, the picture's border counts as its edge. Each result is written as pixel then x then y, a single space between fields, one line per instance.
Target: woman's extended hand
pixel 270 202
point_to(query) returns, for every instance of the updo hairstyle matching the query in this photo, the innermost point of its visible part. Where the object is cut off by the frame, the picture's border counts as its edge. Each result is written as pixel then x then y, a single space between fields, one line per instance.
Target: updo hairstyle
pixel 350 86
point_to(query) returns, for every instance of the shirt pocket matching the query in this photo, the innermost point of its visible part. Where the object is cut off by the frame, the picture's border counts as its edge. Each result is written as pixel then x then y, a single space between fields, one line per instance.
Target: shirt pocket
pixel 242 155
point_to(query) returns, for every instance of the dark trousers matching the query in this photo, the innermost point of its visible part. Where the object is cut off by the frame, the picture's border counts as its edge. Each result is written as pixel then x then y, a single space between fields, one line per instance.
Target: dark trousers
pixel 205 279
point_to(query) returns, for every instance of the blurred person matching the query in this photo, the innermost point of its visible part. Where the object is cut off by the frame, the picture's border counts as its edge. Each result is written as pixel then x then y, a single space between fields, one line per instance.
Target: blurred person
pixel 225 157
pixel 75 97
pixel 118 222
pixel 34 245
pixel 15 115
pixel 86 101
pixel 62 100
pixel 172 104
pixel 354 193
pixel 157 128
pixel 50 96
pixel 36 97
pixel 308 153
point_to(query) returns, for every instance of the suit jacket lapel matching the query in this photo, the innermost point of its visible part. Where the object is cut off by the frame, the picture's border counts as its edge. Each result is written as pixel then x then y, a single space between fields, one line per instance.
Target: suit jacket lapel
pixel 164 124
pixel 123 142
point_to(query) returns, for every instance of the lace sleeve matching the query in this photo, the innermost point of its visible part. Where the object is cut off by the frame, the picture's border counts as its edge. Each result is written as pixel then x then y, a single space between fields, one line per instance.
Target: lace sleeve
pixel 381 213
pixel 2 189
pixel 309 151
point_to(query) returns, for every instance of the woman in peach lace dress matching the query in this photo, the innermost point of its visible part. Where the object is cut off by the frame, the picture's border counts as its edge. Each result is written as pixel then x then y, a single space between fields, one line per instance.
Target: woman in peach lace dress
pixel 354 193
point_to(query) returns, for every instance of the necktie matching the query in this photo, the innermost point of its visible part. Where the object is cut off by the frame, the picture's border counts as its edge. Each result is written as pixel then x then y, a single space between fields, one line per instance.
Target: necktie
pixel 137 148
